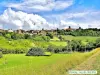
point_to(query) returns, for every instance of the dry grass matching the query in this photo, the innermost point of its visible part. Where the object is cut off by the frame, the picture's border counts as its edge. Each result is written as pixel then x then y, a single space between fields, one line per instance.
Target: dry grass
pixel 89 63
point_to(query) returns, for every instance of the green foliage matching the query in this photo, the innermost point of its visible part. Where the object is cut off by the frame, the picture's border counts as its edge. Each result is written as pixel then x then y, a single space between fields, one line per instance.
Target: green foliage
pixel 8 36
pixel 27 36
pixel 46 38
pixel 50 35
pixel 54 49
pixel 55 38
pixel 80 32
pixel 50 48
pixel 35 52
pixel 98 42
pixel 41 38
pixel 1 54
pixel 60 37
pixel 16 36
pixel 14 46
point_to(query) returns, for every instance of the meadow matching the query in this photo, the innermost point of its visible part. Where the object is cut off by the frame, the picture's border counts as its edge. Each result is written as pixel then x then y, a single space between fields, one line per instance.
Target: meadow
pixel 55 64
pixel 83 38
pixel 15 64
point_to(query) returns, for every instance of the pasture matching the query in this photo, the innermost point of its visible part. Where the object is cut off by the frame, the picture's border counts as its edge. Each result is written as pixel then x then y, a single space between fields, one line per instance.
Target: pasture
pixel 56 64
pixel 15 64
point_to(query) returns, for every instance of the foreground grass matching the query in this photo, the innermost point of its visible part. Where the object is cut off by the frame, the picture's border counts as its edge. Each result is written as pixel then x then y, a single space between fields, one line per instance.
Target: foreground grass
pixel 57 64
pixel 96 65
pixel 92 63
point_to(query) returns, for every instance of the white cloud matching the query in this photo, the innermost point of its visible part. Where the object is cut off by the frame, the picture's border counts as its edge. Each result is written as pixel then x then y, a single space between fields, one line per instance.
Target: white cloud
pixel 65 24
pixel 84 19
pixel 21 20
pixel 40 5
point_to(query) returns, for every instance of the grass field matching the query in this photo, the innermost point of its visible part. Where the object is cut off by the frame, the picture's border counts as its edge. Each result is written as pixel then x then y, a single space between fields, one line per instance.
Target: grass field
pixel 96 65
pixel 15 64
pixel 25 44
pixel 15 44
pixel 56 64
pixel 92 63
pixel 46 44
pixel 55 39
pixel 83 38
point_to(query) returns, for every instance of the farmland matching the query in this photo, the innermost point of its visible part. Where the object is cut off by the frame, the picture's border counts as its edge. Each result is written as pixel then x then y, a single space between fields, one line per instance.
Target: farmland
pixel 59 55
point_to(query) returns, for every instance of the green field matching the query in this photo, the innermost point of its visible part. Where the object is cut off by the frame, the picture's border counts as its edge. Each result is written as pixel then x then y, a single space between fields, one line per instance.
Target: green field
pixel 15 64
pixel 92 63
pixel 26 44
pixel 83 38
pixel 96 65
pixel 56 64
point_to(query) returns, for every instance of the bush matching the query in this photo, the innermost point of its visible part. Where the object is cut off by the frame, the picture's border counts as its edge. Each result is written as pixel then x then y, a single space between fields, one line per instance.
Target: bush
pixel 50 35
pixel 0 54
pixel 54 49
pixel 35 52
pixel 50 48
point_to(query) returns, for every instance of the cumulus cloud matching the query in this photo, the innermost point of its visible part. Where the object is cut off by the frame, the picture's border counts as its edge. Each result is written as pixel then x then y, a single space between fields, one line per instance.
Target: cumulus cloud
pixel 86 19
pixel 20 20
pixel 65 24
pixel 11 19
pixel 40 5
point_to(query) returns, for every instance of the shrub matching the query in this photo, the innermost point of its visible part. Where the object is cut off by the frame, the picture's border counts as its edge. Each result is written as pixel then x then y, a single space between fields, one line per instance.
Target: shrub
pixel 38 38
pixel 35 52
pixel 50 48
pixel 0 54
pixel 54 49
pixel 50 35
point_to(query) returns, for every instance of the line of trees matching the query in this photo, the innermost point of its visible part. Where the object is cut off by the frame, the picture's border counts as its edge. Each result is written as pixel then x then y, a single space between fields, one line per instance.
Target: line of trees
pixel 0 54
pixel 79 32
pixel 75 46
pixel 16 36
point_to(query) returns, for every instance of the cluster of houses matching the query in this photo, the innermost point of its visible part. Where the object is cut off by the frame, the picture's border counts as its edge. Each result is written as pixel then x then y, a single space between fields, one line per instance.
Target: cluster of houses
pixel 36 32
pixel 31 32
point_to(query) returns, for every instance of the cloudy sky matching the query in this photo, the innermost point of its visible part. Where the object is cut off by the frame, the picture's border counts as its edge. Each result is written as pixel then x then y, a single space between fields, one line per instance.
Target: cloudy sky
pixel 49 14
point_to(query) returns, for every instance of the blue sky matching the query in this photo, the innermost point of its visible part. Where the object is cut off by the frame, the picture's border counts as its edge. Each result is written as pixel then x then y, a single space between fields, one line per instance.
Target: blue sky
pixel 49 14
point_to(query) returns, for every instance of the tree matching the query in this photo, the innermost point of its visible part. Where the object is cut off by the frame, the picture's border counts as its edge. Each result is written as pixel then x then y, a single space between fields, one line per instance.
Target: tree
pixel 16 36
pixel 90 46
pixel 8 36
pixel 27 36
pixel 46 38
pixel 97 42
pixel 0 54
pixel 50 48
pixel 60 37
pixel 35 51
pixel 50 35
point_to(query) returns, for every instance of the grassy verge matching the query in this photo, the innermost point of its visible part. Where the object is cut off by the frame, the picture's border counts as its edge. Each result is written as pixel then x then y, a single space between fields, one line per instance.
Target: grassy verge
pixel 92 63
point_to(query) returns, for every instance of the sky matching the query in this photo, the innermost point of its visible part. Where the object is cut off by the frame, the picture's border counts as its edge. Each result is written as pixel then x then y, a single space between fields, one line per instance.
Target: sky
pixel 49 14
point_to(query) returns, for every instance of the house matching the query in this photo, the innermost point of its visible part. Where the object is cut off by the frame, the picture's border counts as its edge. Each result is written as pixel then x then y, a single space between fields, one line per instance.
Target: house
pixel 1 30
pixel 10 30
pixel 69 29
pixel 42 32
pixel 35 32
pixel 20 31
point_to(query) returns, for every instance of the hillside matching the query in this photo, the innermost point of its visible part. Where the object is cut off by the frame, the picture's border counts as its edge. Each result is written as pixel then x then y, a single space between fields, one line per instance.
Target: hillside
pixel 92 63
